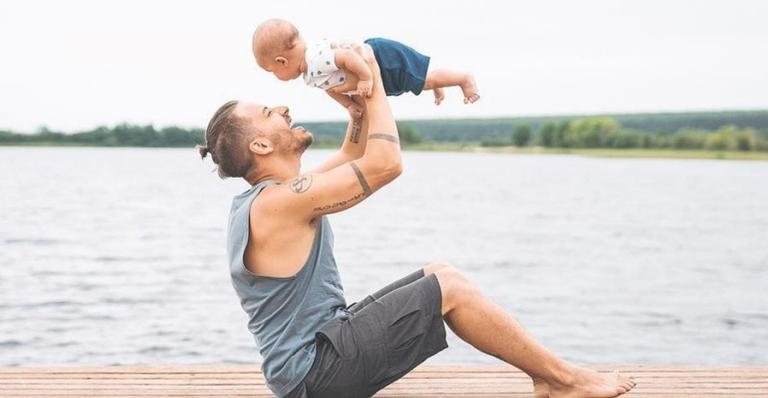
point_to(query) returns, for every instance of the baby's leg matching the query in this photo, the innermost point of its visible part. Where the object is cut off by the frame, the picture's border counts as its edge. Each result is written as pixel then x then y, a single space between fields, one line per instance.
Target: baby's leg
pixel 437 79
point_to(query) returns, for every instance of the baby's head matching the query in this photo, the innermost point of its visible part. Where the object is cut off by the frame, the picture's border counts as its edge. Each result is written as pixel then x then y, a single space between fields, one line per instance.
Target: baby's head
pixel 279 48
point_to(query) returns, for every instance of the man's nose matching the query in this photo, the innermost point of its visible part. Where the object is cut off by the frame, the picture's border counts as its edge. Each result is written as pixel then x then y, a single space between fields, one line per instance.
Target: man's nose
pixel 283 110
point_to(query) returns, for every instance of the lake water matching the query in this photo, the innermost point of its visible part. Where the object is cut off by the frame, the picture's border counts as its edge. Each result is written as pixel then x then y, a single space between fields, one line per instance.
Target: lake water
pixel 117 256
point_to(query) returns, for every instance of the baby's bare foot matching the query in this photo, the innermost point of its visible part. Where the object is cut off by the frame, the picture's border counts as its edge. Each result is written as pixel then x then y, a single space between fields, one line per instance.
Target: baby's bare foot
pixel 588 383
pixel 439 95
pixel 469 88
pixel 540 388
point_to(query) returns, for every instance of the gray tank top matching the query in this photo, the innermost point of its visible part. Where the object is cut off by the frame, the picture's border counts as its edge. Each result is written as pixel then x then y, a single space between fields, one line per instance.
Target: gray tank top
pixel 285 313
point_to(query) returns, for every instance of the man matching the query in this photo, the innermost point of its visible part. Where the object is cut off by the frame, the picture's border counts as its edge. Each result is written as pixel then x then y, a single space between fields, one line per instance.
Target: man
pixel 280 248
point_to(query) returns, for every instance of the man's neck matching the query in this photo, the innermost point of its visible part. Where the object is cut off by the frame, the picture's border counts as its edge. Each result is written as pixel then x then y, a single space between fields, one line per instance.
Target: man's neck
pixel 281 174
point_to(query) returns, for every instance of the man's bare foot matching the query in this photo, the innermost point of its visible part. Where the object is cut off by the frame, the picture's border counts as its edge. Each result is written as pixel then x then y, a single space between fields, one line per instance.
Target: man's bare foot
pixel 540 388
pixel 588 383
pixel 469 88
pixel 439 95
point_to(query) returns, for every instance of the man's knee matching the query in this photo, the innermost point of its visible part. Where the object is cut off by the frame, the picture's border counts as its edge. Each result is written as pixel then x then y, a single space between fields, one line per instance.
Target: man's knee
pixel 435 266
pixel 454 285
pixel 456 278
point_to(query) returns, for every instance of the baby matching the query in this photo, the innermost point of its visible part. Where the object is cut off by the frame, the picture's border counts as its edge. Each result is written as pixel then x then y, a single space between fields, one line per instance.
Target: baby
pixel 340 71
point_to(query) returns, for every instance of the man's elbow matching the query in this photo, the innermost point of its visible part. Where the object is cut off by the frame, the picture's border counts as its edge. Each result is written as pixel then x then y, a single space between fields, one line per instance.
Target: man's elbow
pixel 394 169
pixel 387 165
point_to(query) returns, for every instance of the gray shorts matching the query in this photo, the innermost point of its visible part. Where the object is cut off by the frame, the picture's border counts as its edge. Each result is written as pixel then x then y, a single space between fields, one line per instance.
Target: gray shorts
pixel 387 335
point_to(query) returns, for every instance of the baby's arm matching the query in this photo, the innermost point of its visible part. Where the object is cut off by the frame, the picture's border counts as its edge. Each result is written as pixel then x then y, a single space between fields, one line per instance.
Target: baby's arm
pixel 349 60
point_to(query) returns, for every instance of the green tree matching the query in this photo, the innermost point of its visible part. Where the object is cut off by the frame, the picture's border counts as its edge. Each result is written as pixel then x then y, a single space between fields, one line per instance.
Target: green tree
pixel 44 134
pixel 547 134
pixel 408 134
pixel 745 140
pixel 592 132
pixel 688 139
pixel 175 136
pixel 562 134
pixel 761 141
pixel 626 140
pixel 98 136
pixel 522 135
pixel 721 140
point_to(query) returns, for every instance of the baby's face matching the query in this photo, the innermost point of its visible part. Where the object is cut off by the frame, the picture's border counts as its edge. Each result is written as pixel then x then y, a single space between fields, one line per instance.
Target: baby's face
pixel 285 64
pixel 279 49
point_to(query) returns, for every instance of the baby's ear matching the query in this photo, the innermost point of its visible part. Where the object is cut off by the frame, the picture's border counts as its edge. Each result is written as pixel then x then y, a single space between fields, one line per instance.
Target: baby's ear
pixel 281 60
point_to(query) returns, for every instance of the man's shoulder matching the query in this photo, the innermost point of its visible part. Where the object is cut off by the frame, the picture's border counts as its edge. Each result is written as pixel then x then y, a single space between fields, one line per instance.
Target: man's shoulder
pixel 266 201
pixel 273 207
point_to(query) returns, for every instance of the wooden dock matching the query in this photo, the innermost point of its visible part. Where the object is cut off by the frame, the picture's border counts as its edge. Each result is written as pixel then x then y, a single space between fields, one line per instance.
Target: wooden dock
pixel 425 381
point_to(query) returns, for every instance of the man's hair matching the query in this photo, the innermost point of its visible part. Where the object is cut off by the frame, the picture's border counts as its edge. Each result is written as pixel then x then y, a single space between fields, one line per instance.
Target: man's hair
pixel 226 139
pixel 274 36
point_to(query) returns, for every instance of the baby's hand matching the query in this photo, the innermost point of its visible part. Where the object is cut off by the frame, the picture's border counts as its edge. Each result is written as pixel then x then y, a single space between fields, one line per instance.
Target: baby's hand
pixel 355 111
pixel 364 88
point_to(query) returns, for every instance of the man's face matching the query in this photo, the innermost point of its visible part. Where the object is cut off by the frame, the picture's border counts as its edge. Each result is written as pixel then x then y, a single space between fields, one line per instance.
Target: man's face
pixel 276 124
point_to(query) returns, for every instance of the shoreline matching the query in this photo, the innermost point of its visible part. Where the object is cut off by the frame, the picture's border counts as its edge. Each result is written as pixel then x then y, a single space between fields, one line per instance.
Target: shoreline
pixel 594 152
pixel 536 150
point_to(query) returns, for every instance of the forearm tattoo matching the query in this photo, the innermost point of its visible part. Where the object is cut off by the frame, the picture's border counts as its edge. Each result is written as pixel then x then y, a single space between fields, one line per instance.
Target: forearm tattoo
pixel 386 137
pixel 361 178
pixel 343 203
pixel 357 125
pixel 301 183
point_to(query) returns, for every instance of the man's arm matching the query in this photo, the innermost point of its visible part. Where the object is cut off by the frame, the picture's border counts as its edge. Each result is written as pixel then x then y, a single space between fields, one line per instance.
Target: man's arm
pixel 355 139
pixel 352 148
pixel 342 99
pixel 311 195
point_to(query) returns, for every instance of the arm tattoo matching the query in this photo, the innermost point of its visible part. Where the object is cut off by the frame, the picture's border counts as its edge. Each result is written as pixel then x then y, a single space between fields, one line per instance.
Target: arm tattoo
pixel 301 183
pixel 356 126
pixel 387 137
pixel 361 178
pixel 339 204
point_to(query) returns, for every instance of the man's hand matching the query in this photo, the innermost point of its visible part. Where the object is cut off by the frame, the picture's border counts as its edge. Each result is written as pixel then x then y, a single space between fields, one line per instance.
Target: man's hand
pixel 364 88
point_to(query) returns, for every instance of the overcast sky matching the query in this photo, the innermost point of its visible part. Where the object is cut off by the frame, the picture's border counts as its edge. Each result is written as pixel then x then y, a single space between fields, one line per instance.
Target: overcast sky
pixel 73 65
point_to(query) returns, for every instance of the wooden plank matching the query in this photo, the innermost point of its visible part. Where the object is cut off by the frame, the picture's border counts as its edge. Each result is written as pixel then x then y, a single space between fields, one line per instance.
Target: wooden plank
pixel 426 381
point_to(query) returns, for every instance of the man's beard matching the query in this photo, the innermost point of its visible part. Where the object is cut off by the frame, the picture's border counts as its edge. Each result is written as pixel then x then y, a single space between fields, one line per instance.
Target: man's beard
pixel 303 142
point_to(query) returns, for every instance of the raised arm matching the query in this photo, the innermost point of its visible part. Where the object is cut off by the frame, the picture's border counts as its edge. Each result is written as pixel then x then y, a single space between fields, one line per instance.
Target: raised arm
pixel 355 139
pixel 352 147
pixel 313 194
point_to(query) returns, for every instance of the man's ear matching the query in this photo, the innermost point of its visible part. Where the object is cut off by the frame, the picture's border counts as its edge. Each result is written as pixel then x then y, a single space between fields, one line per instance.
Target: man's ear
pixel 261 146
pixel 281 60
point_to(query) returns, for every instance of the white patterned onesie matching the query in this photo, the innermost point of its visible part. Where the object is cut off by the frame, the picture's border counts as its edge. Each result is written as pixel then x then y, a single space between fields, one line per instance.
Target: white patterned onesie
pixel 322 71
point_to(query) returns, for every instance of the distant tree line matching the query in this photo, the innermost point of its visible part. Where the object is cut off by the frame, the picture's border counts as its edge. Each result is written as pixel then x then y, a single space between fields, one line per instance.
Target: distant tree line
pixel 663 128
pixel 467 130
pixel 607 132
pixel 149 136
pixel 744 131
pixel 120 135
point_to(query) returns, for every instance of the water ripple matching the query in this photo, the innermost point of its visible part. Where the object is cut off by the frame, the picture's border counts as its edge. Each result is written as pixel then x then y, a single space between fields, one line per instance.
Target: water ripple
pixel 664 258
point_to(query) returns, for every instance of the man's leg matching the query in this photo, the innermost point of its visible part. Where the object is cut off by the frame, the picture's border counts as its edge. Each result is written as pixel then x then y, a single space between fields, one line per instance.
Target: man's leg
pixel 485 325
pixel 413 277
